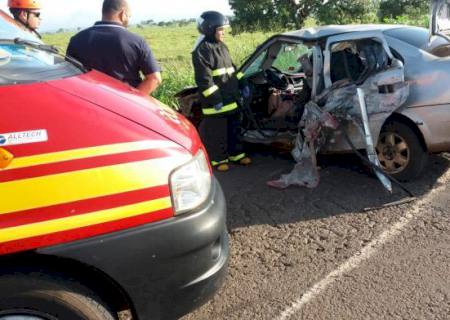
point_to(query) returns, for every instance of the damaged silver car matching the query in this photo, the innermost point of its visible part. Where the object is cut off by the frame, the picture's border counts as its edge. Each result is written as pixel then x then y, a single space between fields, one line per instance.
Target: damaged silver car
pixel 313 89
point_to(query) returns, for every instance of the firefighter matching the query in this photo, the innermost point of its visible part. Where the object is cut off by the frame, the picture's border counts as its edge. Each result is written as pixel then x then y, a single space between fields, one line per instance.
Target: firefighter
pixel 218 85
pixel 27 14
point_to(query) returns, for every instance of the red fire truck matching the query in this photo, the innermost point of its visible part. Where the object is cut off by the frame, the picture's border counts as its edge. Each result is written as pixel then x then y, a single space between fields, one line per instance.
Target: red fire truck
pixel 107 200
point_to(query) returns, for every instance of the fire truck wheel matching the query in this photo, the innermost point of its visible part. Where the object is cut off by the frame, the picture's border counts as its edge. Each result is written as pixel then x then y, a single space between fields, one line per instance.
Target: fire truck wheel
pixel 37 296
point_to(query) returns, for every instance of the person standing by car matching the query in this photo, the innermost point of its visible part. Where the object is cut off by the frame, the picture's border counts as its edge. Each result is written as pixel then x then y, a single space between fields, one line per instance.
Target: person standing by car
pixel 218 85
pixel 27 14
pixel 110 48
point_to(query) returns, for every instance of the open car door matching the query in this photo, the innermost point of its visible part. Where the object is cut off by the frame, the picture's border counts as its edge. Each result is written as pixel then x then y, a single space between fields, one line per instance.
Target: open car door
pixel 440 18
pixel 364 60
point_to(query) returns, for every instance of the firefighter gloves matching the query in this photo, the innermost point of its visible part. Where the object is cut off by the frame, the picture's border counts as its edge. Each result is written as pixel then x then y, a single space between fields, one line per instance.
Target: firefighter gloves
pixel 245 92
pixel 218 106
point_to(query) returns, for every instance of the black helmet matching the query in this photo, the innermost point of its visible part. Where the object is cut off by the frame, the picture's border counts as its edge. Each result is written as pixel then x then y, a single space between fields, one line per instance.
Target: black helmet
pixel 209 21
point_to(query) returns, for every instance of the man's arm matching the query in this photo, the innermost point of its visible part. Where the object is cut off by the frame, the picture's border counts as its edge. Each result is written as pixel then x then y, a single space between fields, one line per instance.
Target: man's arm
pixel 150 83
pixel 150 68
pixel 71 49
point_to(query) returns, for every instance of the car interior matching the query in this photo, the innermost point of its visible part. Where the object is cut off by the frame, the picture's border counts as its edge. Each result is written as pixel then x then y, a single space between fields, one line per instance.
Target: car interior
pixel 281 80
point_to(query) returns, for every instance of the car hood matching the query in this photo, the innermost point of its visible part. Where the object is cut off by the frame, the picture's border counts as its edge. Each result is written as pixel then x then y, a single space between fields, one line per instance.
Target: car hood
pixel 121 99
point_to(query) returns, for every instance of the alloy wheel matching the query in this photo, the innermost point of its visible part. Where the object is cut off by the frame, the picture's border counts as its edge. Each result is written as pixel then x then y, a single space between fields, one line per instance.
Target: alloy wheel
pixel 393 152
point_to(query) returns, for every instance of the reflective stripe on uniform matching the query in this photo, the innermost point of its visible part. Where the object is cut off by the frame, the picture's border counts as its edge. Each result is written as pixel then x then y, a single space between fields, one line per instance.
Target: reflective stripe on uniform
pixel 240 75
pixel 215 163
pixel 210 91
pixel 228 107
pixel 219 72
pixel 238 157
pixel 223 71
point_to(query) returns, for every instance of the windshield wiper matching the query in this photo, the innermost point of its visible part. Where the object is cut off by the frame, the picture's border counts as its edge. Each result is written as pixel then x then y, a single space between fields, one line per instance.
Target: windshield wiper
pixel 36 45
pixel 50 49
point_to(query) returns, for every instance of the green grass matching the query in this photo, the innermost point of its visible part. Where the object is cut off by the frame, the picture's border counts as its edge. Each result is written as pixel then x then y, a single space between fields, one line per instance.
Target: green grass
pixel 172 47
pixel 419 20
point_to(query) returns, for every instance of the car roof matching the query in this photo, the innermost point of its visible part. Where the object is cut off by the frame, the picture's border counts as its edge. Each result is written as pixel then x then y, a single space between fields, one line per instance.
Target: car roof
pixel 317 33
pixel 10 30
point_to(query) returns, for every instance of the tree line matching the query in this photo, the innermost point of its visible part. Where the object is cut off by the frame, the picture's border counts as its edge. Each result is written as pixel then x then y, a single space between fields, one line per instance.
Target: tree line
pixel 171 23
pixel 265 15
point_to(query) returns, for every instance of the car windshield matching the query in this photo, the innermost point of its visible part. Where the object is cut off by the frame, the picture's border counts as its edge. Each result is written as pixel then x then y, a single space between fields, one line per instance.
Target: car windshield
pixel 22 63
pixel 256 65
pixel 288 59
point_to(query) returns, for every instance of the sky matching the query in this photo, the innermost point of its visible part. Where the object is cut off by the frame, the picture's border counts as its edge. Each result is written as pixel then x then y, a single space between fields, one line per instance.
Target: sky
pixel 70 14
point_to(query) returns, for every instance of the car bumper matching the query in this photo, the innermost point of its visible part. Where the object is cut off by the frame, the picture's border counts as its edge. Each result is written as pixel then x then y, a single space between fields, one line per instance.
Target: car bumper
pixel 167 268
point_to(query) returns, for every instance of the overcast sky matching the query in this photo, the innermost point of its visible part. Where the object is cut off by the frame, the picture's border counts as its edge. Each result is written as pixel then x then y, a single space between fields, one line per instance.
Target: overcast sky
pixel 83 13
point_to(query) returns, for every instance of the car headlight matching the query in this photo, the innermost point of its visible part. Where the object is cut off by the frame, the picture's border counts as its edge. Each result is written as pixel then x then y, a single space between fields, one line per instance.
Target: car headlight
pixel 191 184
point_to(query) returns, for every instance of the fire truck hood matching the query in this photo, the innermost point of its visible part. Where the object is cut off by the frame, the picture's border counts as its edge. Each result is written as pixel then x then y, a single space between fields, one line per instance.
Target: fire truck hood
pixel 113 95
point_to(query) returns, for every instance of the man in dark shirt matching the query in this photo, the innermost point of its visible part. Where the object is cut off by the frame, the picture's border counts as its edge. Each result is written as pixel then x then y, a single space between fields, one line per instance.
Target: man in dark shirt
pixel 109 47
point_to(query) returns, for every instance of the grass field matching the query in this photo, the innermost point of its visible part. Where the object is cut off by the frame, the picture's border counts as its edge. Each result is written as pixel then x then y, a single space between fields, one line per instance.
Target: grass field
pixel 172 47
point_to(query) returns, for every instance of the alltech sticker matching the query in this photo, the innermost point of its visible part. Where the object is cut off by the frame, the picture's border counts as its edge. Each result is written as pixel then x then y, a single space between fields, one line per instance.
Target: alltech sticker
pixel 24 137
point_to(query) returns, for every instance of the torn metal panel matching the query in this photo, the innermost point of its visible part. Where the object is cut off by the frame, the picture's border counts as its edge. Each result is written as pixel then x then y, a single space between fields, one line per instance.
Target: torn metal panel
pixel 308 142
pixel 384 92
pixel 440 13
pixel 317 85
pixel 370 145
pixel 305 172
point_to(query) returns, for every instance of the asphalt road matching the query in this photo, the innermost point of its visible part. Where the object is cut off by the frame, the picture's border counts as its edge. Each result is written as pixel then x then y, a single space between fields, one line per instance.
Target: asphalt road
pixel 317 254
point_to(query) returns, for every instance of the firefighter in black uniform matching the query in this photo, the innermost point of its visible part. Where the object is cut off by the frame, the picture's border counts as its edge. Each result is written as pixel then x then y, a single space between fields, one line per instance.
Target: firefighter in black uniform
pixel 218 84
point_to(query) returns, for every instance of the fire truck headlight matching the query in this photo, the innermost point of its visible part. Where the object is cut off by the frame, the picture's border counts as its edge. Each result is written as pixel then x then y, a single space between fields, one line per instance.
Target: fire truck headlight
pixel 191 184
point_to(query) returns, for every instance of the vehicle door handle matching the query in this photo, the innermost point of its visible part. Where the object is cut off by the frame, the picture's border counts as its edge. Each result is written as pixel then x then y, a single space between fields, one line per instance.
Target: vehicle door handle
pixel 5 158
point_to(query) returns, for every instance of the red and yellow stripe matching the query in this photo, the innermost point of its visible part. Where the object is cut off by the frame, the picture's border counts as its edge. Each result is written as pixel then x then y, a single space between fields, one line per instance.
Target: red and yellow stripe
pixel 106 150
pixel 69 195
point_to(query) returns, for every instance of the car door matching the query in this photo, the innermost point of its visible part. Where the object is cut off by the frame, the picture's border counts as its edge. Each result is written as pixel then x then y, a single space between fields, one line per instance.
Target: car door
pixel 371 66
pixel 440 18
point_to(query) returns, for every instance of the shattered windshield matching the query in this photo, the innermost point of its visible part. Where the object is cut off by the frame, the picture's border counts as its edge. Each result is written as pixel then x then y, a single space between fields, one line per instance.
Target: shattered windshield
pixel 288 59
pixel 256 65
pixel 24 64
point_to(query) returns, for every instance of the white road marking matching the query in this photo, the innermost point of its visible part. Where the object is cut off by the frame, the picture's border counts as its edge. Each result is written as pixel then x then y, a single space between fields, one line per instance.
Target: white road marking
pixel 367 252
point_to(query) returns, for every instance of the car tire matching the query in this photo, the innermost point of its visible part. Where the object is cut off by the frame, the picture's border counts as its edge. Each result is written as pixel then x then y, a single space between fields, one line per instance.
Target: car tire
pixel 400 151
pixel 41 296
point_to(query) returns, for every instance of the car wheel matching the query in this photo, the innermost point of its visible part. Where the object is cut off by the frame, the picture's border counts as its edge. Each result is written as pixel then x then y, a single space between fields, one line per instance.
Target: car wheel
pixel 37 296
pixel 400 152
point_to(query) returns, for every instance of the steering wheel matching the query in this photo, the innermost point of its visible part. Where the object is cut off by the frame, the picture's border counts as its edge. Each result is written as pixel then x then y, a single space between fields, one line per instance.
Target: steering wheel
pixel 276 78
